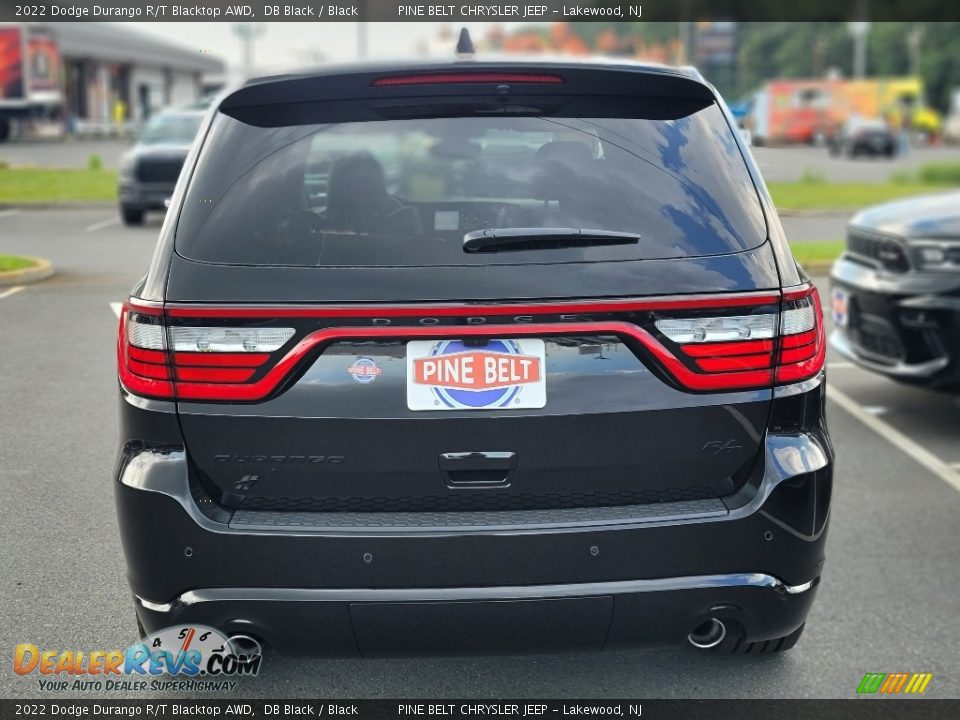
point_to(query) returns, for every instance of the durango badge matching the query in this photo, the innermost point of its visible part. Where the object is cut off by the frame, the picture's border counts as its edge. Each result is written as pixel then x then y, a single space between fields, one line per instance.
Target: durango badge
pixel 450 375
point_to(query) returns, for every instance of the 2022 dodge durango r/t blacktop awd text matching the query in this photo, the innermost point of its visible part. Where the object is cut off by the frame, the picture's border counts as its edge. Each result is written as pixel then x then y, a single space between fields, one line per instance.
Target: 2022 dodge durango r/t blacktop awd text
pixel 474 357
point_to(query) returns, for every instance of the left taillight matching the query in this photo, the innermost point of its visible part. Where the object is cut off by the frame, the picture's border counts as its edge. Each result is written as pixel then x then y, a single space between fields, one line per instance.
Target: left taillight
pixel 142 360
pixel 194 363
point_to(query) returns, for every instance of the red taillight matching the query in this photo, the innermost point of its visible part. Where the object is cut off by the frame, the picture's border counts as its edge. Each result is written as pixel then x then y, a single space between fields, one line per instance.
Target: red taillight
pixel 461 78
pixel 192 362
pixel 774 347
pixel 707 343
pixel 802 346
pixel 143 368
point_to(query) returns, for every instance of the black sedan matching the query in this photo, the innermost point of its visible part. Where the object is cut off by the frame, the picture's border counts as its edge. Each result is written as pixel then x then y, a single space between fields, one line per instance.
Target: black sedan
pixel 896 291
pixel 871 138
pixel 149 171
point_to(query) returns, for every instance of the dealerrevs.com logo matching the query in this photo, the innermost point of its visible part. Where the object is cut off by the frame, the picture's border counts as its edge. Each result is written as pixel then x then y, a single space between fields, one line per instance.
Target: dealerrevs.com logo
pixel 894 683
pixel 185 657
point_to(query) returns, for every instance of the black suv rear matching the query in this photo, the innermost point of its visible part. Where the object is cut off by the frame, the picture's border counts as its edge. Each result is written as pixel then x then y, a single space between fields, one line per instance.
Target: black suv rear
pixel 472 357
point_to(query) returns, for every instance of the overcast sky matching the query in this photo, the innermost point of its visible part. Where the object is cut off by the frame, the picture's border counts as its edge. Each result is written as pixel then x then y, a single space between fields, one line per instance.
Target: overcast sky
pixel 291 44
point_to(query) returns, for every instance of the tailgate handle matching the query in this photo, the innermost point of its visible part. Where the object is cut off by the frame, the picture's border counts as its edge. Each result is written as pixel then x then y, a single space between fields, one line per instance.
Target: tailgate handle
pixel 478 470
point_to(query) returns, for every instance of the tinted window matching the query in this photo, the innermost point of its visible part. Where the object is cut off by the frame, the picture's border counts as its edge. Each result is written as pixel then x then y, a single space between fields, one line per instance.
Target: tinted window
pixel 405 191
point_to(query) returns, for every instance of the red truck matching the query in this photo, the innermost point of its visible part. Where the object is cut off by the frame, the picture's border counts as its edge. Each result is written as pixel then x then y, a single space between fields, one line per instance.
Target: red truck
pixel 29 74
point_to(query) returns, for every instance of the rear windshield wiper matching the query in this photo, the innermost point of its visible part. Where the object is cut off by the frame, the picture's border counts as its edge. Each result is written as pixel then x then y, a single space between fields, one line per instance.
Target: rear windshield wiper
pixel 503 239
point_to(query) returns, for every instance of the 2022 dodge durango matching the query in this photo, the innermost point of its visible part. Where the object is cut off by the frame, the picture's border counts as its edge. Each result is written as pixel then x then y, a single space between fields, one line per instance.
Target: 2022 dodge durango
pixel 474 357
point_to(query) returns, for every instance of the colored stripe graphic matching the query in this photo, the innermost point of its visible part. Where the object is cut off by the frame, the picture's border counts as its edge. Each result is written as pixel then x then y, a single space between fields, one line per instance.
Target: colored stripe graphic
pixel 894 683
pixel 871 682
pixel 918 683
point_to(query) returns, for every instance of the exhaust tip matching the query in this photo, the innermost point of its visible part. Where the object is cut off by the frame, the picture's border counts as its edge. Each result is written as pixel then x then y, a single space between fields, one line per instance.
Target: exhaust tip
pixel 246 644
pixel 708 634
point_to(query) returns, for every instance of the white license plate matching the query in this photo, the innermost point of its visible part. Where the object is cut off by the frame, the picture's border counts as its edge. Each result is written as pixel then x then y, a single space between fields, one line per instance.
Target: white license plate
pixel 840 307
pixel 495 375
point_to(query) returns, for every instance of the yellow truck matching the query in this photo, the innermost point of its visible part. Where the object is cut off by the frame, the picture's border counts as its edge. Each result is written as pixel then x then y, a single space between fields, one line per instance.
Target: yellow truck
pixel 898 99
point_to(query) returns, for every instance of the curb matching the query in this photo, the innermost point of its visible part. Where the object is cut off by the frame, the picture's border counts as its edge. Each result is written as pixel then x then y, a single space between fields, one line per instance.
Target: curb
pixel 66 205
pixel 818 267
pixel 41 271
pixel 815 212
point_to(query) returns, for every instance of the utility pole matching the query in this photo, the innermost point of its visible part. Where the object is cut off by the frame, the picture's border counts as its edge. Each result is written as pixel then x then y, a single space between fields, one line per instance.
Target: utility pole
pixel 914 44
pixel 819 52
pixel 362 30
pixel 685 31
pixel 361 40
pixel 859 30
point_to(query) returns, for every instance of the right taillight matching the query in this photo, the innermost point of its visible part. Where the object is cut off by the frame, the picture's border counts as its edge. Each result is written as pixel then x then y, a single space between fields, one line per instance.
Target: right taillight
pixel 802 348
pixel 749 349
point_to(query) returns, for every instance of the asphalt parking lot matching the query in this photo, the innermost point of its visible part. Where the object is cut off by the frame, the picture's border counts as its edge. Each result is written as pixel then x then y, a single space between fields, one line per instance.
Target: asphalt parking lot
pixel 888 601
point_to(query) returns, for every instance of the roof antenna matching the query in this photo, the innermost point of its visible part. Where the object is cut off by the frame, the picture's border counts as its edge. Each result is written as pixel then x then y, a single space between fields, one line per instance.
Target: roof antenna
pixel 465 49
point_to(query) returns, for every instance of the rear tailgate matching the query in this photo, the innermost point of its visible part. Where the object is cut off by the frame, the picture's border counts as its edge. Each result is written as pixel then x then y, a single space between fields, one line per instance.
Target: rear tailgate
pixel 419 407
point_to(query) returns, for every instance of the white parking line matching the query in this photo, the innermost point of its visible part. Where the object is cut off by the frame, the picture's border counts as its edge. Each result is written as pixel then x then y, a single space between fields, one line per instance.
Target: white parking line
pixel 117 308
pixel 840 365
pixel 931 462
pixel 8 213
pixel 10 291
pixel 102 224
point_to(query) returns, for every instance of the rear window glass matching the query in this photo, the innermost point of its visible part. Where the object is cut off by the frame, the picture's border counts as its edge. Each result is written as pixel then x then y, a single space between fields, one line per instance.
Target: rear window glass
pixel 405 192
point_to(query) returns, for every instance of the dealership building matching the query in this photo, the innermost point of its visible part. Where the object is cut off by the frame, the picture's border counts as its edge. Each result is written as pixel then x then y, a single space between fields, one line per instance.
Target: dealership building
pixel 111 73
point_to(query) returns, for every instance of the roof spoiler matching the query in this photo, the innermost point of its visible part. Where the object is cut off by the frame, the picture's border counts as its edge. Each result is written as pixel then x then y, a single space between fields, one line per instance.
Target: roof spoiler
pixel 360 83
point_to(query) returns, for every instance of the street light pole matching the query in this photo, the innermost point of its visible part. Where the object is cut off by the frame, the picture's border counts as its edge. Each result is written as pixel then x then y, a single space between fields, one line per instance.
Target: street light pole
pixel 361 40
pixel 914 43
pixel 362 30
pixel 248 33
pixel 859 30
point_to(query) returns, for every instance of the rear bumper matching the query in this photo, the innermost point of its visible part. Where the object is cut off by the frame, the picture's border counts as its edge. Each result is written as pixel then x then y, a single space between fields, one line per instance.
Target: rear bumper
pixel 522 618
pixel 384 583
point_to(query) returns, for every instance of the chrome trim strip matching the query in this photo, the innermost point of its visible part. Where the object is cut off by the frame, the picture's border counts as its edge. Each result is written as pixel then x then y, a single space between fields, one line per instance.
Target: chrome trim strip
pixel 156 607
pixel 142 403
pixel 154 304
pixel 797 589
pixel 798 388
pixel 843 346
pixel 520 592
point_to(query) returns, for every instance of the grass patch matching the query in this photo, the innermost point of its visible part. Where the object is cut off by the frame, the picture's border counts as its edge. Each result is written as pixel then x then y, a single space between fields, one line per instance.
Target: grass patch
pixel 842 196
pixel 15 262
pixel 940 174
pixel 45 185
pixel 816 251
